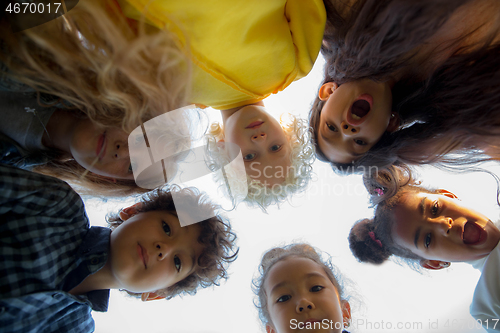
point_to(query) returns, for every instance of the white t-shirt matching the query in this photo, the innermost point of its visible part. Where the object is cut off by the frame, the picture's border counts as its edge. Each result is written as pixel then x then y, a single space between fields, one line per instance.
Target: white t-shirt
pixel 485 305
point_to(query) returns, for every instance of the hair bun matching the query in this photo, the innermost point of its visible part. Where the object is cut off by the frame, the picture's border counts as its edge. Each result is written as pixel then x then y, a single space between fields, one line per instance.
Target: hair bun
pixel 365 245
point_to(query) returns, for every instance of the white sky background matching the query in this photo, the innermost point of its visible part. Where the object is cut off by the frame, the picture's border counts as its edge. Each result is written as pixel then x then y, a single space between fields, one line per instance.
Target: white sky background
pixel 322 216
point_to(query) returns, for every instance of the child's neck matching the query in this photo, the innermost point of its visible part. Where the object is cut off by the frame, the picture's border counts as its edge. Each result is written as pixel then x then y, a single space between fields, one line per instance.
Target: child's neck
pixel 59 131
pixel 102 279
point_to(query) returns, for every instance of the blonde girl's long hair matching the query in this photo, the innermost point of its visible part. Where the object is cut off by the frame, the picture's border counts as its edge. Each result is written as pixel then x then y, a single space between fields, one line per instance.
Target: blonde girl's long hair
pixel 119 72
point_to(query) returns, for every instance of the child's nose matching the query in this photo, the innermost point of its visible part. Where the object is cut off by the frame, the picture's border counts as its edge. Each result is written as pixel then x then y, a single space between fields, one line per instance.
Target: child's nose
pixel 259 137
pixel 445 225
pixel 304 305
pixel 162 251
pixel 121 151
pixel 347 129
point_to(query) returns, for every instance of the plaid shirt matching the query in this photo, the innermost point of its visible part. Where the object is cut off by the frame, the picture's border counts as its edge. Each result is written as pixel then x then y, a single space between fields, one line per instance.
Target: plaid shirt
pixel 47 248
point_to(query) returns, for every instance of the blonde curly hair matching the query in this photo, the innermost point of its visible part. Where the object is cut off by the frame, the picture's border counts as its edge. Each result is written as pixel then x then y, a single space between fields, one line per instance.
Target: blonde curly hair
pixel 119 72
pixel 116 71
pixel 302 156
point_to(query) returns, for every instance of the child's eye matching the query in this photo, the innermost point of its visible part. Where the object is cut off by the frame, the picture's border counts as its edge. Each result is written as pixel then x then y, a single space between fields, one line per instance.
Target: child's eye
pixel 331 127
pixel 427 241
pixel 360 142
pixel 276 148
pixel 315 289
pixel 165 227
pixel 283 298
pixel 435 208
pixel 177 263
pixel 249 157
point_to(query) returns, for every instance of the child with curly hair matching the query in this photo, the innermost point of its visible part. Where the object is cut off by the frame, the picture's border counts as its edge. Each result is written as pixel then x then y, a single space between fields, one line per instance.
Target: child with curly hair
pixel 278 156
pixel 56 268
pixel 66 144
pixel 298 289
pixel 236 64
pixel 85 80
pixel 432 228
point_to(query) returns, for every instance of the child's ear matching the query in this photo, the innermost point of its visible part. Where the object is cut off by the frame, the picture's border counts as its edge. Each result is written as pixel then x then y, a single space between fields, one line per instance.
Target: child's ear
pixel 346 313
pixel 326 90
pixel 150 297
pixel 128 212
pixel 447 193
pixel 270 328
pixel 393 122
pixel 434 264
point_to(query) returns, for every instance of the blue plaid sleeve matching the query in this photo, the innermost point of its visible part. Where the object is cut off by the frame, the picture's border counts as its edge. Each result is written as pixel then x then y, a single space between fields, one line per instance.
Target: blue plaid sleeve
pixel 42 224
pixel 27 193
pixel 45 312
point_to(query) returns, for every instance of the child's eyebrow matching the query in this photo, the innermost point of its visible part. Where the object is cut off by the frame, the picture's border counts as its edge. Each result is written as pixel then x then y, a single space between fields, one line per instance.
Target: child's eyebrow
pixel 417 236
pixel 307 276
pixel 193 260
pixel 421 208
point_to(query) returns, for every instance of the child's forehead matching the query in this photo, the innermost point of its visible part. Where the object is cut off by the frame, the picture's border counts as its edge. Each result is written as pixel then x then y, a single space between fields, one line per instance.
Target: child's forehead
pixel 300 267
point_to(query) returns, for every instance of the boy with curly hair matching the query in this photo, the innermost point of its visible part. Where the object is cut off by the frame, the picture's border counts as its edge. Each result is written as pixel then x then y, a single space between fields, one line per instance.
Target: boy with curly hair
pixel 56 269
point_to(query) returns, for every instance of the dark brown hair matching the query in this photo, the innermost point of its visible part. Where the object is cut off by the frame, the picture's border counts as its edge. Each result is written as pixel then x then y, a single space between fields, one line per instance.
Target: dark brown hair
pixel 453 110
pixel 370 240
pixel 215 234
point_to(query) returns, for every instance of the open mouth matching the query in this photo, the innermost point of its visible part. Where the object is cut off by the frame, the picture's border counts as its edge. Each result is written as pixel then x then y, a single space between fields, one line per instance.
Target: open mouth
pixel 473 234
pixel 359 109
pixel 101 146
pixel 255 124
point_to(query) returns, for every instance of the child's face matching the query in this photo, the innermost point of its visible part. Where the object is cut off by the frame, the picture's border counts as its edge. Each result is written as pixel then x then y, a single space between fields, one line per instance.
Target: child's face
pixel 264 146
pixel 299 293
pixel 103 151
pixel 151 251
pixel 353 119
pixel 439 227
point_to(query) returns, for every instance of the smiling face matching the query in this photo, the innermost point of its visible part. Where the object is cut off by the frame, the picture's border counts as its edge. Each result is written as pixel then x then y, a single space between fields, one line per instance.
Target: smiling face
pixel 151 251
pixel 439 227
pixel 103 151
pixel 353 118
pixel 299 295
pixel 264 145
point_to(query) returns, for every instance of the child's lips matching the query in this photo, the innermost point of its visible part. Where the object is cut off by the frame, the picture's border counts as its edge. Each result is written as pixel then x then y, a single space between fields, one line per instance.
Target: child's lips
pixel 359 109
pixel 101 146
pixel 313 320
pixel 255 124
pixel 143 255
pixel 473 234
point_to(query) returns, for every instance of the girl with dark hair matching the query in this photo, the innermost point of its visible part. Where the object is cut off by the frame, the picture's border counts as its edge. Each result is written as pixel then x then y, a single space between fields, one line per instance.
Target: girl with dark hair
pixel 432 228
pixel 410 87
pixel 300 289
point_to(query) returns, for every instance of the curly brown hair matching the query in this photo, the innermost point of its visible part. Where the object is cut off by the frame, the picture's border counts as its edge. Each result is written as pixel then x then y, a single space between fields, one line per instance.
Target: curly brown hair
pixel 215 234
